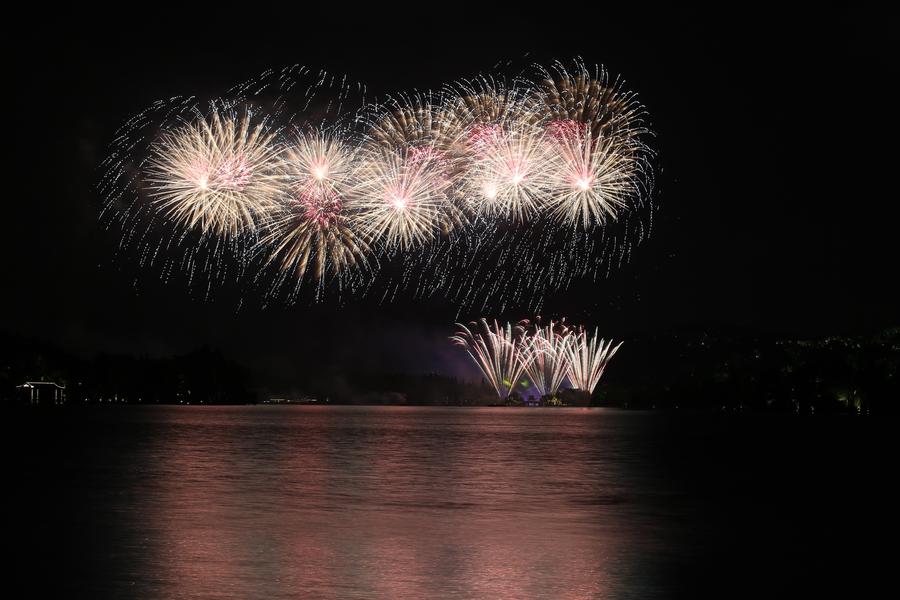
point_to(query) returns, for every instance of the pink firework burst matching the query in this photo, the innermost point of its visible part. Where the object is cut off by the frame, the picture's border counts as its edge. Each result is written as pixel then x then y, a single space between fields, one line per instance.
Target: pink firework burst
pixel 566 130
pixel 321 206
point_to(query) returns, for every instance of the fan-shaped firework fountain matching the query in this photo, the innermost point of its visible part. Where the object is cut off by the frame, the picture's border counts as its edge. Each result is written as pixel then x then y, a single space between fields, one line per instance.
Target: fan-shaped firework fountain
pixel 549 354
pixel 488 193
pixel 587 359
pixel 545 353
pixel 496 350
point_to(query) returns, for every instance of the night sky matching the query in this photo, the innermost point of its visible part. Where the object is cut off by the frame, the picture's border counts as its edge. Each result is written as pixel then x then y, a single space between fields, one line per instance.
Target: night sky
pixel 775 175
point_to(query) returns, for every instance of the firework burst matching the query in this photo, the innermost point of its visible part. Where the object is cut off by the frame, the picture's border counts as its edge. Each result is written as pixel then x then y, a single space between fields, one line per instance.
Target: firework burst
pixel 403 197
pixel 598 132
pixel 217 175
pixel 311 227
pixel 462 192
pixel 587 97
pixel 592 180
pixel 482 105
pixel 510 174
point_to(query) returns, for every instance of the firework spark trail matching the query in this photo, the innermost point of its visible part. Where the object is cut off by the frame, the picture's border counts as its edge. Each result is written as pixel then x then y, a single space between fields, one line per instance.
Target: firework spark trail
pixel 496 350
pixel 588 357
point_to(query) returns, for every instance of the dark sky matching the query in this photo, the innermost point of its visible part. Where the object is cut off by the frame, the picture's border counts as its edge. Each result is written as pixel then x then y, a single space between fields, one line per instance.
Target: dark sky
pixel 776 177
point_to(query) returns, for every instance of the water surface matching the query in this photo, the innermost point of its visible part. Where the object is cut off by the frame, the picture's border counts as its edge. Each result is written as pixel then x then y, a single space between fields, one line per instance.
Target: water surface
pixel 393 502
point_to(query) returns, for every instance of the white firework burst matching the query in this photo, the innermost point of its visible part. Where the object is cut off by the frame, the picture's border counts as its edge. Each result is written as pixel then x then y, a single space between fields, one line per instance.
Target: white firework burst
pixel 312 226
pixel 218 174
pixel 510 172
pixel 592 178
pixel 402 197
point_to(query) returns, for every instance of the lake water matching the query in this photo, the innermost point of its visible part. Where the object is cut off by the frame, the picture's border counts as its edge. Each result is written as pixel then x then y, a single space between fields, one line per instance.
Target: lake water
pixel 392 502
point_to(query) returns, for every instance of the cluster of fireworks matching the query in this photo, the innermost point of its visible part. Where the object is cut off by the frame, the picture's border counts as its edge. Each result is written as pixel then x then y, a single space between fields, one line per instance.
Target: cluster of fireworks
pixel 488 190
pixel 549 354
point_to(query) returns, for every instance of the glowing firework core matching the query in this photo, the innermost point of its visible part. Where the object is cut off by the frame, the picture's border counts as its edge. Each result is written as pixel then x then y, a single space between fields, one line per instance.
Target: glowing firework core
pixel 400 202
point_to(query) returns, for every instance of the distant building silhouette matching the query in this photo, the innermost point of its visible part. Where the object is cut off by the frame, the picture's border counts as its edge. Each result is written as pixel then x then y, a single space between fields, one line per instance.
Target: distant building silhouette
pixel 41 392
